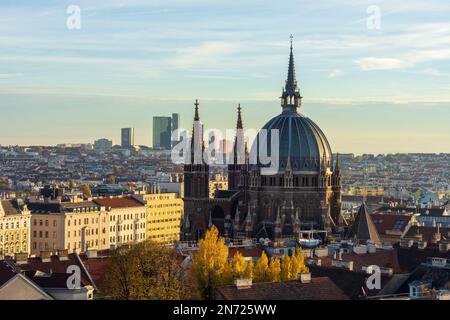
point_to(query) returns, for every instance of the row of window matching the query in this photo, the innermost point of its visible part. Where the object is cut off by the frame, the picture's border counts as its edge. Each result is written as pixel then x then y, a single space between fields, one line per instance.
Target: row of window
pixel 127 227
pixel 14 249
pixel 85 221
pixel 297 182
pixel 173 236
pixel 128 216
pixel 164 228
pixel 165 220
pixel 152 214
pixel 17 224
pixel 127 238
pixel 42 222
pixel 15 236
pixel 158 206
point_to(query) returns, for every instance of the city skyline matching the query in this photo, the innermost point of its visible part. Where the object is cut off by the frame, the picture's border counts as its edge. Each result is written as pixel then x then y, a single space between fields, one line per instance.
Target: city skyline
pixel 371 91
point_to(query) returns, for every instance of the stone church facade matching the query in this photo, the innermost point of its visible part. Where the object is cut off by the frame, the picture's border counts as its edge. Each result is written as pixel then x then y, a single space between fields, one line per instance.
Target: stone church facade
pixel 304 193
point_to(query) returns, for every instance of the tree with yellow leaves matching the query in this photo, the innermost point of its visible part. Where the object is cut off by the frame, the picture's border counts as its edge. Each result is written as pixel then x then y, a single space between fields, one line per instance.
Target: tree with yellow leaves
pixel 248 273
pixel 275 269
pixel 297 264
pixel 261 271
pixel 210 265
pixel 239 265
pixel 285 268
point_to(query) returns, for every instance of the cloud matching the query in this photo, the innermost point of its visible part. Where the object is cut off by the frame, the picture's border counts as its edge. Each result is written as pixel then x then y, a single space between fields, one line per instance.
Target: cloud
pixel 431 72
pixel 372 63
pixel 336 73
pixel 205 55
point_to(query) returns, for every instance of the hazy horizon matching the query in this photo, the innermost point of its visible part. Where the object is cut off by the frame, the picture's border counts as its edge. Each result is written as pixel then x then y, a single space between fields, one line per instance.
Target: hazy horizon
pixel 372 91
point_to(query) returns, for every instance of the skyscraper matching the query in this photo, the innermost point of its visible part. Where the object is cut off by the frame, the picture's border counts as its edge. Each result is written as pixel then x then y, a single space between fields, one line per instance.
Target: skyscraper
pixel 162 132
pixel 127 137
pixel 175 126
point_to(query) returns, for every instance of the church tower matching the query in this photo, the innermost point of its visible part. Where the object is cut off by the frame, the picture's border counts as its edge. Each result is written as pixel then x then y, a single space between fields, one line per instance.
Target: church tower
pixel 236 168
pixel 336 203
pixel 196 170
pixel 196 183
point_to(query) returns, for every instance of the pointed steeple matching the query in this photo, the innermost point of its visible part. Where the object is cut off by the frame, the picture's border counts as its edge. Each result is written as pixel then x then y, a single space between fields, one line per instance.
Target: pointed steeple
pixel 239 141
pixel 196 116
pixel 239 119
pixel 337 166
pixel 363 228
pixel 291 82
pixel 291 98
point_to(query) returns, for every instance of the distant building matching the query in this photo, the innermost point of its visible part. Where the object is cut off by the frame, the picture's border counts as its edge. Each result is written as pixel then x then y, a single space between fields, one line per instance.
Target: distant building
pixel 164 212
pixel 100 224
pixel 106 190
pixel 103 144
pixel 175 126
pixel 78 226
pixel 162 132
pixel 14 227
pixel 218 183
pixel 127 138
pixel 126 218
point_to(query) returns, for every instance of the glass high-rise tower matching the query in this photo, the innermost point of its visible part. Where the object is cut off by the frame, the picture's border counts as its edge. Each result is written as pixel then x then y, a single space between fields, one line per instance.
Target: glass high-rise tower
pixel 162 132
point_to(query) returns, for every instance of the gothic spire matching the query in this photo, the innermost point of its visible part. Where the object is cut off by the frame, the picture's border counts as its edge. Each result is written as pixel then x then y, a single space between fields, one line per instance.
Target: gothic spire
pixel 291 98
pixel 239 119
pixel 337 166
pixel 196 117
pixel 291 82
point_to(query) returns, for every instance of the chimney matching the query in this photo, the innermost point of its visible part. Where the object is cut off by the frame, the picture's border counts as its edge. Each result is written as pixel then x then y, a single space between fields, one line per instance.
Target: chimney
pixel 63 254
pixel 243 283
pixel 304 277
pixel 91 253
pixel 21 258
pixel 46 256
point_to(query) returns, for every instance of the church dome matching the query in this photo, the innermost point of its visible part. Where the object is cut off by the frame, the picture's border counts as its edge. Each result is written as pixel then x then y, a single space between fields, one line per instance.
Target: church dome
pixel 301 141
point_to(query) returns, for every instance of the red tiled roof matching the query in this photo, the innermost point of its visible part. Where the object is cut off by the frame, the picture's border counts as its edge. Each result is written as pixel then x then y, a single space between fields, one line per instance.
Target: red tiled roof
pixel 96 267
pixel 318 289
pixel 383 258
pixel 385 222
pixel 427 232
pixel 119 202
pixel 246 252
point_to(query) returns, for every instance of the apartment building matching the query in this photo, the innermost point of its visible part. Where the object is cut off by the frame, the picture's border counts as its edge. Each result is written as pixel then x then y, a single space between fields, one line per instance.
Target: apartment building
pixel 126 218
pixel 76 226
pixel 164 212
pixel 14 227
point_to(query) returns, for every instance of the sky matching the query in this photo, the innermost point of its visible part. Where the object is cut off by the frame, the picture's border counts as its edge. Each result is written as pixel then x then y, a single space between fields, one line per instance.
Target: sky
pixel 372 85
